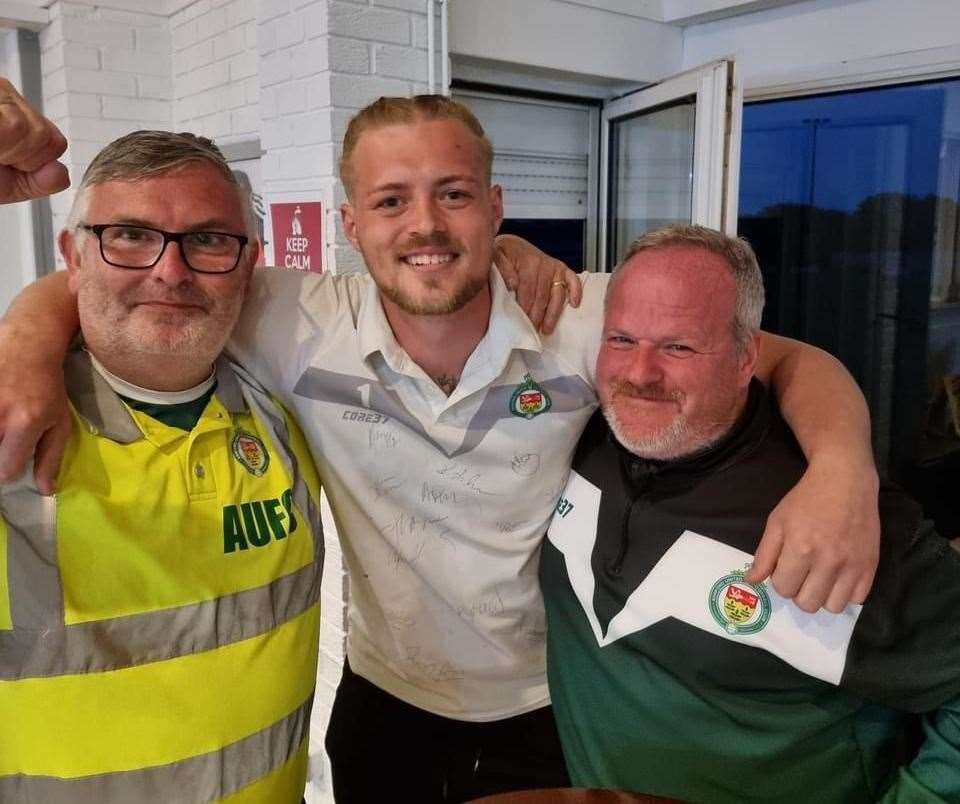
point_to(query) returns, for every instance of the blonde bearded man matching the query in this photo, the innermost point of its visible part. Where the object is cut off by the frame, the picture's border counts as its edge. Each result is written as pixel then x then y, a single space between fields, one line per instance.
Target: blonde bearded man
pixel 444 425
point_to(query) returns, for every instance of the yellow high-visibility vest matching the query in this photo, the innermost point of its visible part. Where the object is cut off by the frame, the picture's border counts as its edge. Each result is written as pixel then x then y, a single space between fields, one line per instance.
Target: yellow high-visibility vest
pixel 159 616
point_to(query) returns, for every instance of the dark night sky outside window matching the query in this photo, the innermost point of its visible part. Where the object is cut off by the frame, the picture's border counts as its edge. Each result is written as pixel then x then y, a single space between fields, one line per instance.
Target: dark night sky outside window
pixel 851 201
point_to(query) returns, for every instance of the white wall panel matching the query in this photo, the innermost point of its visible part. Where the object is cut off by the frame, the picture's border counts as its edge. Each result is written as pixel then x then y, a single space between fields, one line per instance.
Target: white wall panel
pixel 565 37
pixel 785 45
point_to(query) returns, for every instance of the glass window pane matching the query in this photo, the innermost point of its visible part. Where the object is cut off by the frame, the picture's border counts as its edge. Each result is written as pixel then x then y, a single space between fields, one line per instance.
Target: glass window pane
pixel 651 169
pixel 851 200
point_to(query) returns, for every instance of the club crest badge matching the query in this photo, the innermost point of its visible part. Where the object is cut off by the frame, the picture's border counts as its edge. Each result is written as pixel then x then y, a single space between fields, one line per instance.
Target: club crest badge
pixel 739 607
pixel 529 399
pixel 250 451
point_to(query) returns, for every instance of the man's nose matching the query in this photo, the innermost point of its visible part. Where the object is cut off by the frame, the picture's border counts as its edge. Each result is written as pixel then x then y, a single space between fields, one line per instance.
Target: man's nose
pixel 644 367
pixel 427 217
pixel 171 268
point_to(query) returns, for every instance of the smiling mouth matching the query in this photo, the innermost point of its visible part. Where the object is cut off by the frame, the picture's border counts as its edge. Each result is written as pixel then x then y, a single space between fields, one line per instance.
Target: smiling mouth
pixel 170 305
pixel 428 260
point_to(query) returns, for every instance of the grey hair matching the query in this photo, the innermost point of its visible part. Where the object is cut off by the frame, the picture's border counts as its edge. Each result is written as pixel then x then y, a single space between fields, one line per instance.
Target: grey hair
pixel 736 253
pixel 143 154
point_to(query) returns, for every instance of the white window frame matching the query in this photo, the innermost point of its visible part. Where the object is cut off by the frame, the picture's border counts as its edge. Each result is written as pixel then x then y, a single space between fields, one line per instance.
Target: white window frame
pixel 716 163
pixel 899 68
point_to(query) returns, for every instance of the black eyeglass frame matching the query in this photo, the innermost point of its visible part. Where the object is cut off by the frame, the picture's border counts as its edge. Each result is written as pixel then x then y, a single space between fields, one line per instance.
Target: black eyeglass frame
pixel 168 237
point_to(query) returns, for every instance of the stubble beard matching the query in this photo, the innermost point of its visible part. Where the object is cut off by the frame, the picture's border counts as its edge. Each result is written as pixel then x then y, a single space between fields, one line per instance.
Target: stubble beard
pixel 409 303
pixel 121 329
pixel 678 439
pixel 466 293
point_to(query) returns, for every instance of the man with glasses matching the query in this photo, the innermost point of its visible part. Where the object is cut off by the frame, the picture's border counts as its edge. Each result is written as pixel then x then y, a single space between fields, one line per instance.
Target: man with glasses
pixel 159 618
pixel 142 247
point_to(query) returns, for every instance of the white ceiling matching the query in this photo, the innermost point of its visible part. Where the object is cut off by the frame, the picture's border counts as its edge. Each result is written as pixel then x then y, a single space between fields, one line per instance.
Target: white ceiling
pixel 28 13
pixel 681 12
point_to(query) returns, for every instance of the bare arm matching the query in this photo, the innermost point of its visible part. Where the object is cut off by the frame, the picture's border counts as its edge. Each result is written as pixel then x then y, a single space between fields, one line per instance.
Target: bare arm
pixel 821 544
pixel 34 336
pixel 543 285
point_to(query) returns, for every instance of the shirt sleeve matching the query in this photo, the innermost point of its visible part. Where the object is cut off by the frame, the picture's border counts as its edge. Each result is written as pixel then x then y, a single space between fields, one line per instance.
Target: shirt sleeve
pixel 284 315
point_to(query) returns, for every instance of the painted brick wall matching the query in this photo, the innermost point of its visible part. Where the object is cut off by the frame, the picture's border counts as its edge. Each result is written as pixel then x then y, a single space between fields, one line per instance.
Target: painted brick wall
pixel 214 59
pixel 320 62
pixel 105 73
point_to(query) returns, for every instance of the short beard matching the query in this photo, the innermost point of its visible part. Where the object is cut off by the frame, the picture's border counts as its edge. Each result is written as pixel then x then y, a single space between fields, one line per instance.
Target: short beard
pixel 677 440
pixel 458 300
pixel 108 320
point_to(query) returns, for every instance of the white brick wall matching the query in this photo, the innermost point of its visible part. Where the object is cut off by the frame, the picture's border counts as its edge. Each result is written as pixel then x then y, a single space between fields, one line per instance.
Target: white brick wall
pixel 320 62
pixel 105 73
pixel 215 62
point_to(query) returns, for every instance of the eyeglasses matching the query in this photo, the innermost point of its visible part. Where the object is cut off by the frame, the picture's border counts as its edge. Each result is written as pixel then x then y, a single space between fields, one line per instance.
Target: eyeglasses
pixel 138 247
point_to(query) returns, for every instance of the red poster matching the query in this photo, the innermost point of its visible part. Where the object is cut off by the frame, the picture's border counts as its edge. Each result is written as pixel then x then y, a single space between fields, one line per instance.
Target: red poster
pixel 298 236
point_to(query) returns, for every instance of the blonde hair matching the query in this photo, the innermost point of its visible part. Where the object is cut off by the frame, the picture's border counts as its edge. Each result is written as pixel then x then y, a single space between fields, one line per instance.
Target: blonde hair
pixel 405 111
pixel 736 253
pixel 142 154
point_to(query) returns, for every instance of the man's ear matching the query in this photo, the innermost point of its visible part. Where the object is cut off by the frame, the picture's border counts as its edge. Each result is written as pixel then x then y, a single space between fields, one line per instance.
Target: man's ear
pixel 496 202
pixel 747 364
pixel 349 224
pixel 255 247
pixel 69 245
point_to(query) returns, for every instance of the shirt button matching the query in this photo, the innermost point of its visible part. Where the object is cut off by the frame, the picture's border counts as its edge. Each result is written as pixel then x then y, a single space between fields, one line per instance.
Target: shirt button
pixel 199 471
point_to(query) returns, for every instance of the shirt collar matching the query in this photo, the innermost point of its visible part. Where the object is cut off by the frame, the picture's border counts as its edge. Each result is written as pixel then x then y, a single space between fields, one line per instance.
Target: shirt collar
pixel 101 407
pixel 128 390
pixel 96 402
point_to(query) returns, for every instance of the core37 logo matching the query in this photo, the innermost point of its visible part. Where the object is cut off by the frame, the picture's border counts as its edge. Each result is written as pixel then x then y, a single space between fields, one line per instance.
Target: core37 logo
pixel 368 416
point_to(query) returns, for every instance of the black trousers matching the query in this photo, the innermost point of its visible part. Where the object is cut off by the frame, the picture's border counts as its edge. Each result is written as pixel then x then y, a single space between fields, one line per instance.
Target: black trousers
pixel 382 749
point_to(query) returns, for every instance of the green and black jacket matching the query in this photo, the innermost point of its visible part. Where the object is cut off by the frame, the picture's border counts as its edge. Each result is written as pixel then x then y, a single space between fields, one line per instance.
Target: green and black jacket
pixel 670 675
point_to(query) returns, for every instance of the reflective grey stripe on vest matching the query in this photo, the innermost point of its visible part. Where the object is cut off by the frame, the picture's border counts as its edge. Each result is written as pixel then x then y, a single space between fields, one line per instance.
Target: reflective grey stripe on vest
pixel 33 574
pixel 136 639
pixel 198 779
pixel 41 645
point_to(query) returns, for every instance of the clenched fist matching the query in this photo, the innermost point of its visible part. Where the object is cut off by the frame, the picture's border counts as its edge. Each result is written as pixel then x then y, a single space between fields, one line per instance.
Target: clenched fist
pixel 29 147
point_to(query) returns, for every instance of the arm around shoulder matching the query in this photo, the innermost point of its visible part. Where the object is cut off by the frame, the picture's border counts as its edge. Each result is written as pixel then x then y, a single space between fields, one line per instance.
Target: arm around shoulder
pixel 821 543
pixel 34 336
